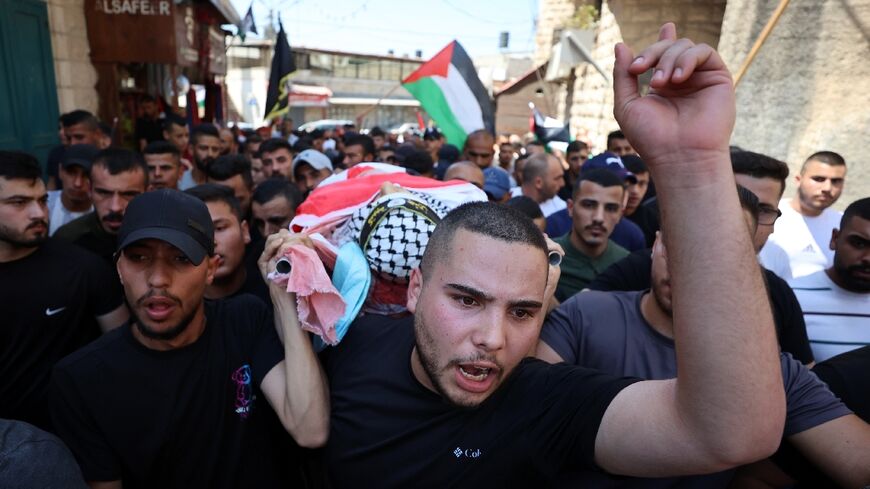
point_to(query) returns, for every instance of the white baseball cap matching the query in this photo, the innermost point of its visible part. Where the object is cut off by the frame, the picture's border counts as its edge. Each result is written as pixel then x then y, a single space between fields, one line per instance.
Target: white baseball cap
pixel 316 159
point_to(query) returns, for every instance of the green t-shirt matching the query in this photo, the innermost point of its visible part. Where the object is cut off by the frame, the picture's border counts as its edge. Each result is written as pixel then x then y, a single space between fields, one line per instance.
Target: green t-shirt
pixel 578 269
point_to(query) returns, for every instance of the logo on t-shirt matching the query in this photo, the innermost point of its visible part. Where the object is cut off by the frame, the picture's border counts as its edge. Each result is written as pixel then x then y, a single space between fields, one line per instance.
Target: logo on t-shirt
pixel 467 452
pixel 244 393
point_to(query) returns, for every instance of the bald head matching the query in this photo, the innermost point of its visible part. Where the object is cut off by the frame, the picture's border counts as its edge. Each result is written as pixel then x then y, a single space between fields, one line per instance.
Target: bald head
pixel 479 148
pixel 465 170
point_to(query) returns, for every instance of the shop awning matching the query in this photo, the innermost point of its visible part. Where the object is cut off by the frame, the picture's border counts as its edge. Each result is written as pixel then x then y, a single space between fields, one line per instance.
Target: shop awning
pixel 309 96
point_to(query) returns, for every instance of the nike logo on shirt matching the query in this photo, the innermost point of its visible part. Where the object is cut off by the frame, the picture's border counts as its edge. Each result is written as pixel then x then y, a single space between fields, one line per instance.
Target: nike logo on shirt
pixel 51 312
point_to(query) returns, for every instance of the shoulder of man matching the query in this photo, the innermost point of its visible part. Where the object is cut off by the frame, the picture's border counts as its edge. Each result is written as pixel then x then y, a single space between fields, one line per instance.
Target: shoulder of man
pixel 809 401
pixel 88 361
pixel 76 228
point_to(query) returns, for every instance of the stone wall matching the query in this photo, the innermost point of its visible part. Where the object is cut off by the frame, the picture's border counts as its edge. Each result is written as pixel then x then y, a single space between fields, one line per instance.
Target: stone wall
pixel 551 16
pixel 75 75
pixel 635 22
pixel 808 88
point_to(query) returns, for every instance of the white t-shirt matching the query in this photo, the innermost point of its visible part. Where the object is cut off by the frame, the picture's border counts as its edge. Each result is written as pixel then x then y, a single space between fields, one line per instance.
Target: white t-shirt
pixel 775 259
pixel 837 320
pixel 549 206
pixel 805 239
pixel 58 215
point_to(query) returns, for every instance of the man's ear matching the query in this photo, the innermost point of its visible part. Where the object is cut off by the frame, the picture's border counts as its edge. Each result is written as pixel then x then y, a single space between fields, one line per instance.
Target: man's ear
pixel 415 287
pixel 212 262
pixel 118 269
pixel 570 204
pixel 246 231
pixel 835 233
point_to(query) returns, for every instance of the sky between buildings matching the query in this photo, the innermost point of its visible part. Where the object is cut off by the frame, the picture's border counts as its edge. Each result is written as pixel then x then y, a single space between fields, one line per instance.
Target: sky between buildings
pixel 377 26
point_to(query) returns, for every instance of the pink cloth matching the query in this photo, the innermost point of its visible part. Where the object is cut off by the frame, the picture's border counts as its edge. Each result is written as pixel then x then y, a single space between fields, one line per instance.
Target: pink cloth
pixel 318 303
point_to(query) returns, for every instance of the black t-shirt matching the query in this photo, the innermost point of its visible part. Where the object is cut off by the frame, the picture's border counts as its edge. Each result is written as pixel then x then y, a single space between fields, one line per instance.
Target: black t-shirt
pixel 50 301
pixel 190 417
pixel 388 430
pixel 254 283
pixel 647 219
pixel 633 273
pixel 87 233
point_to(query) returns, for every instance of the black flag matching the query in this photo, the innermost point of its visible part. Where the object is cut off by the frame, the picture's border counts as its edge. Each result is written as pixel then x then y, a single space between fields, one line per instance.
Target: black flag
pixel 277 98
pixel 248 24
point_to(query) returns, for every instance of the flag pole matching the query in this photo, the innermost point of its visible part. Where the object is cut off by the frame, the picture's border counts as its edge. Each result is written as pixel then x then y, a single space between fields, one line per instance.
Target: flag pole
pixel 760 41
pixel 376 104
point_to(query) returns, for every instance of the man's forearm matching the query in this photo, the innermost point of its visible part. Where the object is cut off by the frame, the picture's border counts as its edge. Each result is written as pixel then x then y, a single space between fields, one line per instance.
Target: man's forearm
pixel 727 355
pixel 306 396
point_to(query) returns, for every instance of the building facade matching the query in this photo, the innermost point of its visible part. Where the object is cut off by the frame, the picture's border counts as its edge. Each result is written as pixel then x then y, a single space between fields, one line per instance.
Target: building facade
pixel 327 84
pixel 805 91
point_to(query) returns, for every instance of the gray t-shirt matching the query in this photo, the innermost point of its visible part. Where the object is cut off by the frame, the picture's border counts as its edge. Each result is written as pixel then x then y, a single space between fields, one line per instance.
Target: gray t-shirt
pixel 606 331
pixel 32 458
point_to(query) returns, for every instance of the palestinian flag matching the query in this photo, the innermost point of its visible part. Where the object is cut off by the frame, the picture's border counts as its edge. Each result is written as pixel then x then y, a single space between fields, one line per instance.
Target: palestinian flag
pixel 449 90
pixel 547 129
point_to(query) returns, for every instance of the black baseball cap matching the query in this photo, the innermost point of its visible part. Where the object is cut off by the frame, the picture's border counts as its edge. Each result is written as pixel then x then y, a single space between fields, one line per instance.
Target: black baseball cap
pixel 82 155
pixel 172 216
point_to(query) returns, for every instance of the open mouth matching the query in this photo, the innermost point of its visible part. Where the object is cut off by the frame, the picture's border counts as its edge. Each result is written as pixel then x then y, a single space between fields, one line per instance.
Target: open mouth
pixel 476 377
pixel 477 374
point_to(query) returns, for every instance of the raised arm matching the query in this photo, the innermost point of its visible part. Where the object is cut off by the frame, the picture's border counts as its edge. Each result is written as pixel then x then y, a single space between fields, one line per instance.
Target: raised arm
pixel 296 388
pixel 727 405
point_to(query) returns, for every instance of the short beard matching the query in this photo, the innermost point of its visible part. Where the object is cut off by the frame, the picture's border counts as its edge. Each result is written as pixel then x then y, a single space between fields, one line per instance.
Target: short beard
pixel 850 281
pixel 203 165
pixel 423 342
pixel 16 239
pixel 169 334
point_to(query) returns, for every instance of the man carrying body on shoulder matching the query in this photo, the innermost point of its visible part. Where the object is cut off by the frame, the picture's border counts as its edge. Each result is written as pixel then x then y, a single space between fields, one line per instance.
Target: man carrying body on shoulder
pixel 189 389
pixel 595 209
pixel 804 230
pixel 274 205
pixel 74 198
pixel 56 297
pixel 235 275
pixel 205 145
pixel 163 160
pixel 836 301
pixel 632 333
pixel 117 176
pixel 452 381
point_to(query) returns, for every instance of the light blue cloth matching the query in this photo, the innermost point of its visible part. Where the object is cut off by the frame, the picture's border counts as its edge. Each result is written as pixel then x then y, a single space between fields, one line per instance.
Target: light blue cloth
pixel 353 278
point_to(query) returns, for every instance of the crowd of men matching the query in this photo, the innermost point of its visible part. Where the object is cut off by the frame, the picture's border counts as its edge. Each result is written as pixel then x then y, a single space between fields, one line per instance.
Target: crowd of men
pixel 144 346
